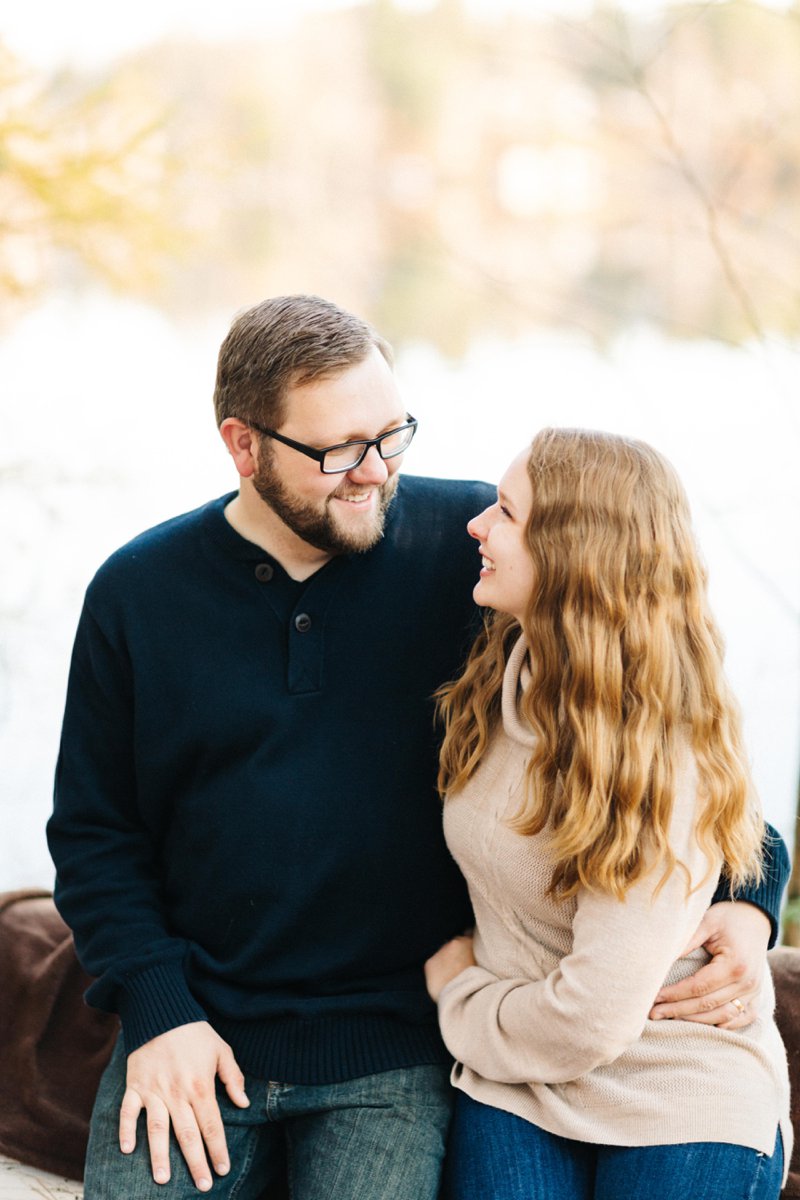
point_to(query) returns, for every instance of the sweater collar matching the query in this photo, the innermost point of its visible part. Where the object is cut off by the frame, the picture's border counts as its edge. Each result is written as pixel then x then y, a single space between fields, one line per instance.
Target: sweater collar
pixel 516 678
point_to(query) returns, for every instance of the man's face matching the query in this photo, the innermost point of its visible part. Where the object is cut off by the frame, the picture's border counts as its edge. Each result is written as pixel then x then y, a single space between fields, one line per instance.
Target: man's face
pixel 338 514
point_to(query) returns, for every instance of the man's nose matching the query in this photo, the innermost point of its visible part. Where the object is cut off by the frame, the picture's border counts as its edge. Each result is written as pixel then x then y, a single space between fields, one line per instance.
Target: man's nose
pixel 371 470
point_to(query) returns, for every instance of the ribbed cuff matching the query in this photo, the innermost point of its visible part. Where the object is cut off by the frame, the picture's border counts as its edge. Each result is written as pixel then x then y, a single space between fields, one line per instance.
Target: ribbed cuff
pixel 769 893
pixel 154 1000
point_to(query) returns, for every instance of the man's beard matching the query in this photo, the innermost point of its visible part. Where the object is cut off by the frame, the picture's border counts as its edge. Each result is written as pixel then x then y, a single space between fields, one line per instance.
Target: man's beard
pixel 315 523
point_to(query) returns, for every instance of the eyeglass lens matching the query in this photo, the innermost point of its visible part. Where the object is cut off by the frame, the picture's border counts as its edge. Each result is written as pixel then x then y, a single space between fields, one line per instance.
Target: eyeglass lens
pixel 342 458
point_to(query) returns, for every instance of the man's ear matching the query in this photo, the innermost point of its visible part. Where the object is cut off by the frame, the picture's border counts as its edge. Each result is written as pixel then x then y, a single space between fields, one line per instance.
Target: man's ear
pixel 242 445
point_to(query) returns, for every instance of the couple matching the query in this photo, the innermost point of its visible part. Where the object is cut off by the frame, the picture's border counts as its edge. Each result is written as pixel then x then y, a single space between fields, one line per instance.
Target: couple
pixel 249 847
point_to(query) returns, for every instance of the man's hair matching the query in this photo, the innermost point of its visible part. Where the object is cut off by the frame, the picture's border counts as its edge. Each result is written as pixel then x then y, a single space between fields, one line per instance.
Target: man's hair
pixel 281 343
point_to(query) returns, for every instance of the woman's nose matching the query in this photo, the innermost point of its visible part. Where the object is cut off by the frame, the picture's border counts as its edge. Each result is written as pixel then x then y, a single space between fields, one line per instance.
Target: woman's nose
pixel 476 526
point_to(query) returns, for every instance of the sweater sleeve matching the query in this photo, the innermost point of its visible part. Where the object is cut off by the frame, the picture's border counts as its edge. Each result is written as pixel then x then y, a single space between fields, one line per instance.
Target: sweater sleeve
pixel 594 1005
pixel 106 870
pixel 767 894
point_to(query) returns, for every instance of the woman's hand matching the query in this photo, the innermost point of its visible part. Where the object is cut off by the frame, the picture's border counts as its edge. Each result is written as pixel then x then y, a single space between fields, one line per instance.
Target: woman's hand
pixel 450 960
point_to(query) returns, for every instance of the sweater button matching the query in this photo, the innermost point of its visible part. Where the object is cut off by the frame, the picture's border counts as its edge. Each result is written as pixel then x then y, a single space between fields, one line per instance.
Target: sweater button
pixel 302 622
pixel 264 572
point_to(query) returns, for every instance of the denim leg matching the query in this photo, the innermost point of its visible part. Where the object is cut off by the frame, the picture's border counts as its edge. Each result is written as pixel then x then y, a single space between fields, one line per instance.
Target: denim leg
pixel 495 1155
pixel 713 1170
pixel 254 1147
pixel 380 1137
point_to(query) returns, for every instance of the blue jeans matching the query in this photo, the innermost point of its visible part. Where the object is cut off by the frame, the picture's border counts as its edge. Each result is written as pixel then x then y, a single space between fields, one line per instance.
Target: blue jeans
pixel 495 1155
pixel 381 1137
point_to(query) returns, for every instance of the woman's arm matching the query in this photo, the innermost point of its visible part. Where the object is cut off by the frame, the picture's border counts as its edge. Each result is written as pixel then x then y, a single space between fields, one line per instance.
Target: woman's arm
pixel 596 1003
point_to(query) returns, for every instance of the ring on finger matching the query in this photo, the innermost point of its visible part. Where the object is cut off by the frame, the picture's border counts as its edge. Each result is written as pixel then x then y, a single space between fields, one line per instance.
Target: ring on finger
pixel 737 1004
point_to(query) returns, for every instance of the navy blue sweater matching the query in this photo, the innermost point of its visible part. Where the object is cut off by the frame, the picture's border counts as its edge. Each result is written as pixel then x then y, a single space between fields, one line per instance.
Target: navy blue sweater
pixel 245 827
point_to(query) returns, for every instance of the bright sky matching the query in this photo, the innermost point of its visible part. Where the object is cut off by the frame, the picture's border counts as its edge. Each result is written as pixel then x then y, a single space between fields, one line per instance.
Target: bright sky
pixel 90 32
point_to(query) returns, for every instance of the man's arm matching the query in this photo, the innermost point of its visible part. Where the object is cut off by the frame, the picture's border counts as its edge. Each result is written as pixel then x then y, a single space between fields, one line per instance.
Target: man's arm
pixel 768 894
pixel 737 934
pixel 107 872
pixel 107 890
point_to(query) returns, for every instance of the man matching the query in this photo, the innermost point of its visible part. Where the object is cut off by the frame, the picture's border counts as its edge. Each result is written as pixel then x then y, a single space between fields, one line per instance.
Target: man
pixel 246 830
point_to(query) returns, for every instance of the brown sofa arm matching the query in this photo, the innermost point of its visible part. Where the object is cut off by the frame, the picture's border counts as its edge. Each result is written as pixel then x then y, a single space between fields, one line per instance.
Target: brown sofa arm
pixel 784 963
pixel 53 1048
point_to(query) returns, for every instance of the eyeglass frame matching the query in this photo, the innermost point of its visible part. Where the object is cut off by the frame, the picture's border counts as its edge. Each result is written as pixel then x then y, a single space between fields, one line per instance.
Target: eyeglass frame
pixel 367 443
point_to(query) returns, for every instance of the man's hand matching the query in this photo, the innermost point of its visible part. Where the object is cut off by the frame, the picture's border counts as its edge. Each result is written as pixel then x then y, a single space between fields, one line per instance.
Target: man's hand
pixel 448 961
pixel 173 1078
pixel 736 936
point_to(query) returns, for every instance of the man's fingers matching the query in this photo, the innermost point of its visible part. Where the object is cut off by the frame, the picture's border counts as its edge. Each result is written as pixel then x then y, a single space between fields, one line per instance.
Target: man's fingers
pixel 720 973
pixel 724 992
pixel 727 1016
pixel 212 1132
pixel 196 1130
pixel 704 1010
pixel 727 1006
pixel 173 1077
pixel 128 1116
pixel 158 1139
pixel 232 1077
pixel 190 1139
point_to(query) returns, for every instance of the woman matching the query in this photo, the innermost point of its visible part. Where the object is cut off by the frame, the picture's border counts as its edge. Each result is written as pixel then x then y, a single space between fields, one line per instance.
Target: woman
pixel 595 781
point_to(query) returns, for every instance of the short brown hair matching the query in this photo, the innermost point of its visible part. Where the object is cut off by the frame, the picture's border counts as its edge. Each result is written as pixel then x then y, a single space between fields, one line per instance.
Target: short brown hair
pixel 283 342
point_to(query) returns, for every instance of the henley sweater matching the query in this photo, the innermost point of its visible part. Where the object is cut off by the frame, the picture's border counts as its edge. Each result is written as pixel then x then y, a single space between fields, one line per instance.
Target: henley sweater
pixel 246 828
pixel 552 1023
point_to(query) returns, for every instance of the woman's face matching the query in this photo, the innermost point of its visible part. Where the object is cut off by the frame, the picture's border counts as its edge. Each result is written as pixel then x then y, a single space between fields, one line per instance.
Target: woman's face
pixel 506 579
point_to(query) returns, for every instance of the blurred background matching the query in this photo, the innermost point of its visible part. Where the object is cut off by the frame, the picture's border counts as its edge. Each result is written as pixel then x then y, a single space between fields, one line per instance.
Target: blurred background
pixel 558 213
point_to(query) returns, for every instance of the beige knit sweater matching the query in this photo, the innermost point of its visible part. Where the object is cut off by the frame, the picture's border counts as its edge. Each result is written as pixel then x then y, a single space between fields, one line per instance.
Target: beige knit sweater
pixel 552 1023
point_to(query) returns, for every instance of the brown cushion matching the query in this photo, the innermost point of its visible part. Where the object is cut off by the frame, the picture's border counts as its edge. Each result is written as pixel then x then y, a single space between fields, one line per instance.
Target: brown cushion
pixel 53 1047
pixel 784 962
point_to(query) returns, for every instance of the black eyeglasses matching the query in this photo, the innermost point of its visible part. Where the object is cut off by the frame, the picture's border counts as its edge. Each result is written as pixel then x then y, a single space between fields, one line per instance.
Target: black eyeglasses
pixel 346 456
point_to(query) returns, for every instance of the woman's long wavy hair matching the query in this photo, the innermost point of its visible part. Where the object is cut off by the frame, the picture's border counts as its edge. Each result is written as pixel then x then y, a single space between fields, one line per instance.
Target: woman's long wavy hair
pixel 626 673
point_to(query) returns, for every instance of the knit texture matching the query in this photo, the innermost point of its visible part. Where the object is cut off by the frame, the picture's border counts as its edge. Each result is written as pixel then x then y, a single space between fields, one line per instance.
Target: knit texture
pixel 246 827
pixel 552 1023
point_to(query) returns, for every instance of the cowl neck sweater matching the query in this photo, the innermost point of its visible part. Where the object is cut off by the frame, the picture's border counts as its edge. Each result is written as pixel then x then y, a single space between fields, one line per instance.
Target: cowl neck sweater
pixel 552 1024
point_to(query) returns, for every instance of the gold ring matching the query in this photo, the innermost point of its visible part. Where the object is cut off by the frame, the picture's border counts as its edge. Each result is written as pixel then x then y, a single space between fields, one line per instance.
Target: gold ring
pixel 737 1004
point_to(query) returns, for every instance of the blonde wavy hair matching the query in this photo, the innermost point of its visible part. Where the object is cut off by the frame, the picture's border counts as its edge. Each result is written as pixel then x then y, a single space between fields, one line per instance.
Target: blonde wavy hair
pixel 626 674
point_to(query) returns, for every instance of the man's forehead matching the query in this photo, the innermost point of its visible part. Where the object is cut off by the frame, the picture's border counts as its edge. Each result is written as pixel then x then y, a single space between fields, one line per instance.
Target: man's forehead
pixel 360 402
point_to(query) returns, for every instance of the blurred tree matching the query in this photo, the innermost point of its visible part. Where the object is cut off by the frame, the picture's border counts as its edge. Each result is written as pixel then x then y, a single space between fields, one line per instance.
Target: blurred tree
pixel 83 182
pixel 446 175
pixel 700 125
